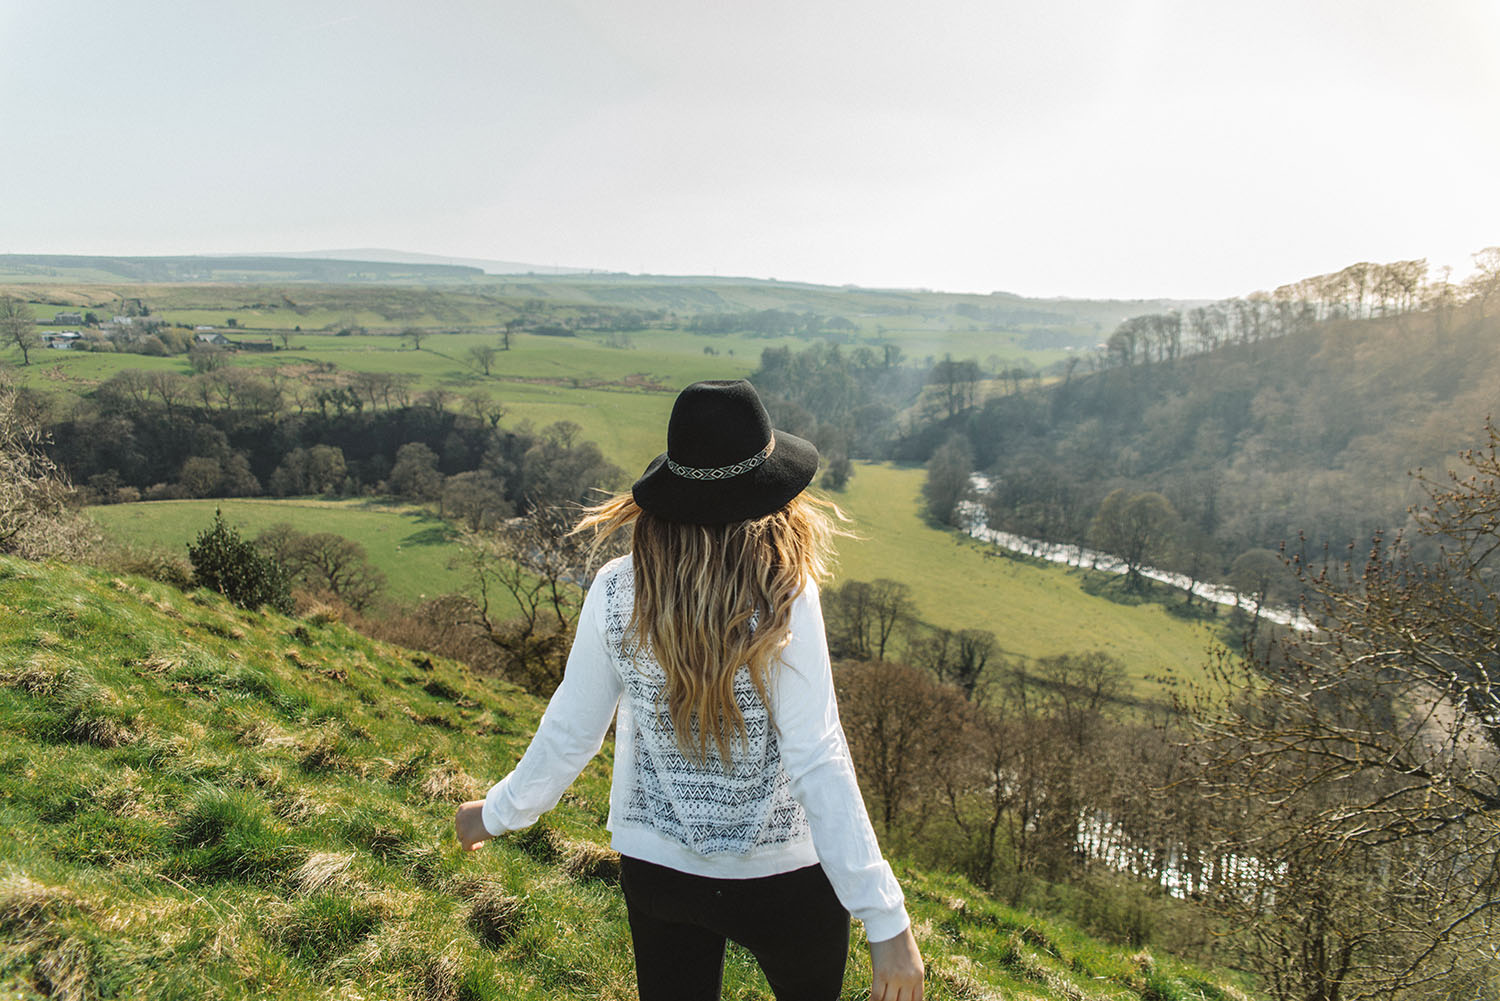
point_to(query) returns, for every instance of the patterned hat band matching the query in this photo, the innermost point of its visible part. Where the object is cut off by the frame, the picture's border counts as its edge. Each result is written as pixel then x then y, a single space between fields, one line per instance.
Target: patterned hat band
pixel 723 472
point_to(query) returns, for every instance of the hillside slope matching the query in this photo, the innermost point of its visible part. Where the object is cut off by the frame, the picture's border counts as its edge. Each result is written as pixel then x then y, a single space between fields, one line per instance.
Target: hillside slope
pixel 202 802
pixel 1310 433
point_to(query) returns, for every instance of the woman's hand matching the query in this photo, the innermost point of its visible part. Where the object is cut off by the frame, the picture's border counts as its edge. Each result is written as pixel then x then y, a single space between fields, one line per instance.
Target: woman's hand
pixel 468 823
pixel 898 969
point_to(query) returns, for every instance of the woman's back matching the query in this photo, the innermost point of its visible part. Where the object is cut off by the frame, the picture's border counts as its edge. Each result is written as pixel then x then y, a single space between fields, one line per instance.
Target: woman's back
pixel 739 808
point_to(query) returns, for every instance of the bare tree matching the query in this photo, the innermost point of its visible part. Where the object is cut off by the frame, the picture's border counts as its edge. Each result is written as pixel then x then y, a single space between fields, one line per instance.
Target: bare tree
pixel 528 575
pixel 1356 768
pixel 484 408
pixel 36 520
pixel 864 618
pixel 901 722
pixel 1484 283
pixel 18 326
pixel 324 562
pixel 483 357
pixel 476 498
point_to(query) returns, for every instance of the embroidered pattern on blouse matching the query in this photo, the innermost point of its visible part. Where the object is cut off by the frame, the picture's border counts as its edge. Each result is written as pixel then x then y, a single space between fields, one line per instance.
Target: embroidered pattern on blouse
pixel 708 808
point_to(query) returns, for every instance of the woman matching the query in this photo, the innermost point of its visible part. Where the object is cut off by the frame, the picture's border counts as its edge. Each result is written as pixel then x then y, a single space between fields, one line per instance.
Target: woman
pixel 734 805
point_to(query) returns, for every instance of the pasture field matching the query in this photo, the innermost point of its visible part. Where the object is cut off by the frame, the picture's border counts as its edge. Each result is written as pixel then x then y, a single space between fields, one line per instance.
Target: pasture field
pixel 1033 610
pixel 621 397
pixel 411 546
pixel 956 582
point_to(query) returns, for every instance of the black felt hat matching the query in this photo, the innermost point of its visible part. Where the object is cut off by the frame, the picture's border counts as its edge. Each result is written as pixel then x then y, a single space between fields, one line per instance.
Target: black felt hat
pixel 724 462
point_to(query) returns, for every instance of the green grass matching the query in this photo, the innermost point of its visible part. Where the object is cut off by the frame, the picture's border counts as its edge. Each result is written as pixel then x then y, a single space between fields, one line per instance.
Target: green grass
pixel 411 546
pixel 1034 610
pixel 202 802
pixel 957 583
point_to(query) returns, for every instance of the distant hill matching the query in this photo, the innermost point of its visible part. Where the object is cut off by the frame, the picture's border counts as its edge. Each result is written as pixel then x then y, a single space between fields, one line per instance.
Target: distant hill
pixel 1312 433
pixel 200 801
pixel 267 268
pixel 490 267
pixel 1079 323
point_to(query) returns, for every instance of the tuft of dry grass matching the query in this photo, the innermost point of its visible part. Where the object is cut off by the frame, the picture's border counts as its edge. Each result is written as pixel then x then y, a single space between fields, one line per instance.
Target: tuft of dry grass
pixel 326 751
pixel 64 970
pixel 323 869
pixel 99 730
pixel 321 613
pixel 495 917
pixel 155 665
pixel 440 979
pixel 125 795
pixel 27 904
pixel 954 973
pixel 41 677
pixel 587 860
pixel 449 783
pixel 265 734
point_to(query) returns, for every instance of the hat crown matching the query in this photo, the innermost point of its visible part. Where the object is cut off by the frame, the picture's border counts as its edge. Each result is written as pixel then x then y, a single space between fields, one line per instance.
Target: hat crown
pixel 716 423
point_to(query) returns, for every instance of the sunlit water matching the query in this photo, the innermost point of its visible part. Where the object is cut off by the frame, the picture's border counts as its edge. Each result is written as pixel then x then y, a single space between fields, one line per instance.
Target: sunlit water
pixel 972 516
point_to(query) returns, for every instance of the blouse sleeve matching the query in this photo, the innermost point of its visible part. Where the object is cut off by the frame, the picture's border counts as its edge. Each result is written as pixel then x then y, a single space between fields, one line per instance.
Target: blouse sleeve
pixel 570 734
pixel 816 758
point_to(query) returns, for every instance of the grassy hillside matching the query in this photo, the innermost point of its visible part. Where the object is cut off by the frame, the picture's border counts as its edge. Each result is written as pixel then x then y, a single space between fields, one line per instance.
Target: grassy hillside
pixel 1310 434
pixel 201 802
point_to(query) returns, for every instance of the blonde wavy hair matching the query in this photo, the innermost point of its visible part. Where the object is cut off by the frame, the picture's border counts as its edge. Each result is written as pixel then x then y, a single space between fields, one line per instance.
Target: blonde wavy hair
pixel 710 599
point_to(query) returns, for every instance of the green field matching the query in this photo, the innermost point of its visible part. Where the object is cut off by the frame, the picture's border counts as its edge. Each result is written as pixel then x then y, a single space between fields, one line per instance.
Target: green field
pixel 617 386
pixel 1033 610
pixel 957 583
pixel 202 802
pixel 412 547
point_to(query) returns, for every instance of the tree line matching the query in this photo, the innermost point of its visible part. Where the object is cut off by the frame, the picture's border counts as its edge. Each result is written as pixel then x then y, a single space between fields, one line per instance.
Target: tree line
pixel 230 432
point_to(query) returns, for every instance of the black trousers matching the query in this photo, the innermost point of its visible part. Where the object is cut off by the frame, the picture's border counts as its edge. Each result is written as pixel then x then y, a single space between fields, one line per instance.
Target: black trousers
pixel 791 923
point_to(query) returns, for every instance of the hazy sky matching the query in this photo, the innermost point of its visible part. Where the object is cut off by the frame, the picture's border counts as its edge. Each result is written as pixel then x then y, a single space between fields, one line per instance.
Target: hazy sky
pixel 1134 148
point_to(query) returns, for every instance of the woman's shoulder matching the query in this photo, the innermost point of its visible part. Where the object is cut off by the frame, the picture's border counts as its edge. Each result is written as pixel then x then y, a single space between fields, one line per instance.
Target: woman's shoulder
pixel 618 565
pixel 610 577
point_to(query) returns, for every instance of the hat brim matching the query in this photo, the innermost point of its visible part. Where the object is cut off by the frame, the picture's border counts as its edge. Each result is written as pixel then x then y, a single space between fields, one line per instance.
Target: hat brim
pixel 763 490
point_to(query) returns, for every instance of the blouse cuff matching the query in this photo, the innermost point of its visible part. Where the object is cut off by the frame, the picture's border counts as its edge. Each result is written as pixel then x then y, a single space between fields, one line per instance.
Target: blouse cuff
pixel 886 925
pixel 492 815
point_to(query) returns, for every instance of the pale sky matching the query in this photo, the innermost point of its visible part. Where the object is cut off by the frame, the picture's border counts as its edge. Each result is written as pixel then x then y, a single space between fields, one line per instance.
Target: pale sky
pixel 1129 148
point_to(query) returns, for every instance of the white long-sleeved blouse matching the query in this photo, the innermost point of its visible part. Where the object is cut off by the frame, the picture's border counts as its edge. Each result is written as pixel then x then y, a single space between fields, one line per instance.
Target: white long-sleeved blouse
pixel 788 799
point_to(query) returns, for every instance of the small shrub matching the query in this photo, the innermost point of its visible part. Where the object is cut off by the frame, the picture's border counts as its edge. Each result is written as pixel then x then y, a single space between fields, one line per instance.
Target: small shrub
pixel 225 562
pixel 163 568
